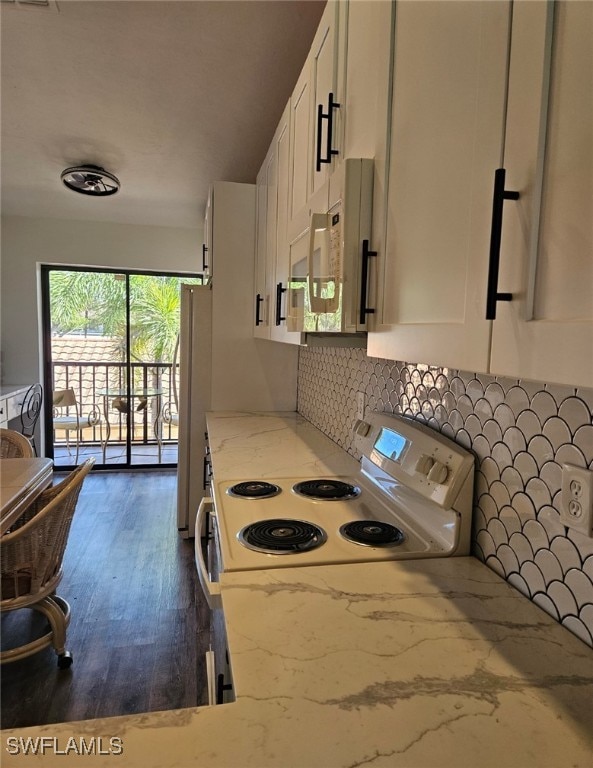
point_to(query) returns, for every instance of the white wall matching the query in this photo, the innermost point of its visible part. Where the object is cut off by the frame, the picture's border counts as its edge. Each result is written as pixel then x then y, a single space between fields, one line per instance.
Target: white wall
pixel 28 242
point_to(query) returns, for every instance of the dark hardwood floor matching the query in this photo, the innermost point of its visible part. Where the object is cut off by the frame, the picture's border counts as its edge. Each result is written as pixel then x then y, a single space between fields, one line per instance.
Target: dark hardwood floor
pixel 140 625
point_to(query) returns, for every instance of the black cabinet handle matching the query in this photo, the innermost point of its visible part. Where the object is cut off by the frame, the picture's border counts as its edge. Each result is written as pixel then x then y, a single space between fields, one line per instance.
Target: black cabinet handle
pixel 221 687
pixel 329 116
pixel 498 198
pixel 204 252
pixel 206 473
pixel 279 291
pixel 258 300
pixel 364 279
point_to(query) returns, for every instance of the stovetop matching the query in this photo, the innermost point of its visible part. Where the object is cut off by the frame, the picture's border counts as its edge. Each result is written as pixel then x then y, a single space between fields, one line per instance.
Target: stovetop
pixel 390 504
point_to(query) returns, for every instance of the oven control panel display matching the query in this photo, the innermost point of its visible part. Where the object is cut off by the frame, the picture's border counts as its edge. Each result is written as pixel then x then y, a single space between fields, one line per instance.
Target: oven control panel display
pixel 391 444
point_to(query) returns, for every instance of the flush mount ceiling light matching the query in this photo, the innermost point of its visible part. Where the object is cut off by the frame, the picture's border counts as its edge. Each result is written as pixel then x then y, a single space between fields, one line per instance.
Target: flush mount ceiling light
pixel 90 180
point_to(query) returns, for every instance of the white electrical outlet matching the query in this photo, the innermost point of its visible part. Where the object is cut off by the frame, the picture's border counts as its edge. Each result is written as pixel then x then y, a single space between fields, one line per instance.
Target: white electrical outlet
pixel 360 404
pixel 577 499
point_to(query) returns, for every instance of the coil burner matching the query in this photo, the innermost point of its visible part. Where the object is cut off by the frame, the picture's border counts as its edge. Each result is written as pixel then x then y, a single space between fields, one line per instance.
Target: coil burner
pixel 372 533
pixel 282 537
pixel 325 489
pixel 254 489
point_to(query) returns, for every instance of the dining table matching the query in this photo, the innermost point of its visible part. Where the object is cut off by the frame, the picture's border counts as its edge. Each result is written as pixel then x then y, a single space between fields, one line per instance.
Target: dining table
pixel 21 481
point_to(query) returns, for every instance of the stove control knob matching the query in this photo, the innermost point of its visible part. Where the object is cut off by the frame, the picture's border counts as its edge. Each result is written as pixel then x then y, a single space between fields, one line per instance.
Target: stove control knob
pixel 424 464
pixel 438 472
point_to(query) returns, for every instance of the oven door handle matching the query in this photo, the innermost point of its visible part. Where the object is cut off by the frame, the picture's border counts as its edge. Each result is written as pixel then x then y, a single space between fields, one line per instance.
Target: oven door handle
pixel 210 588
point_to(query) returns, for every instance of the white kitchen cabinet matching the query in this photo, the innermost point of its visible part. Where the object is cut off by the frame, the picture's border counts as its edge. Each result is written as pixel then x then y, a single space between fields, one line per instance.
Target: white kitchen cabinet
pixel 316 120
pixel 464 104
pixel 546 258
pixel 448 99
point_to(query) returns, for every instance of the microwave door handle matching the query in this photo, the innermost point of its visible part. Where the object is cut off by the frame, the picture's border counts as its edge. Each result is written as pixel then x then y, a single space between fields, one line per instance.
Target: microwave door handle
pixel 318 221
pixel 210 588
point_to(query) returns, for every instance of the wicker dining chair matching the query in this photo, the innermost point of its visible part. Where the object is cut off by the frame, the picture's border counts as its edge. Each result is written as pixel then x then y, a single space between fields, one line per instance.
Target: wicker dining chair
pixel 30 411
pixel 13 445
pixel 31 552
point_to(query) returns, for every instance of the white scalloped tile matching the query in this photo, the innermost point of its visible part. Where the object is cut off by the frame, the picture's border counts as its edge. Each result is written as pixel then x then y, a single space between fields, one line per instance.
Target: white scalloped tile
pixel 492 432
pixel 531 387
pixel 494 563
pixel 514 438
pixel 498 532
pixel 549 565
pixel 504 416
pixel 566 552
pixel 507 383
pixel 474 390
pixel 533 577
pixel 551 474
pixel 550 519
pixel 526 466
pixel 479 521
pixel 508 559
pixel 586 395
pixel 500 494
pixel 519 583
pixel 456 420
pixel 483 410
pixel 588 567
pixel 473 427
pixel 546 604
pixel 481 484
pixel 521 547
pixel 494 393
pixel 570 454
pixel 433 394
pixel 583 439
pixel 490 470
pixel 488 506
pixel 465 406
pixel 544 406
pixel 529 424
pixel 556 431
pixel 578 628
pixel 563 599
pixel 512 480
pixel 486 543
pixel 538 492
pixel 457 386
pixel 524 507
pixel 448 431
pixel 511 521
pixel 517 399
pixel 541 449
pixel 480 446
pixel 580 586
pixel 463 438
pixel 502 456
pixel 536 533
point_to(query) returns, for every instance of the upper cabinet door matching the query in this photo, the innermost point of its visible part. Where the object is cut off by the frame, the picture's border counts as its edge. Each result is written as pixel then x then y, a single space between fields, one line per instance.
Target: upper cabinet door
pixel 546 331
pixel 300 109
pixel 261 300
pixel 448 102
pixel 207 245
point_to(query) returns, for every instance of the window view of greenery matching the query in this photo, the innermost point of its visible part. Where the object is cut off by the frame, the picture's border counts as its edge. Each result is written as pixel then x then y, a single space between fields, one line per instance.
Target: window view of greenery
pixel 90 326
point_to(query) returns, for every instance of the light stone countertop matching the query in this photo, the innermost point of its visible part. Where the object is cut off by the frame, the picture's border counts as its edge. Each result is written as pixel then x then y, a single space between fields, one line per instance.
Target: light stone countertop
pixel 390 665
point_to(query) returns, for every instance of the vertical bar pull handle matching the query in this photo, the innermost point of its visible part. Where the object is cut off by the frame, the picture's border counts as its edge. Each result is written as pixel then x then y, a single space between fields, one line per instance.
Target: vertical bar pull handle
pixel 258 300
pixel 364 279
pixel 331 105
pixel 279 291
pixel 500 195
pixel 204 252
pixel 320 117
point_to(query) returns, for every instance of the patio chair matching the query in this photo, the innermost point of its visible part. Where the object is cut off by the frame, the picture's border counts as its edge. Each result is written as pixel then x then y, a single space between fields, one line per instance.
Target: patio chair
pixel 30 410
pixel 13 445
pixel 32 551
pixel 73 421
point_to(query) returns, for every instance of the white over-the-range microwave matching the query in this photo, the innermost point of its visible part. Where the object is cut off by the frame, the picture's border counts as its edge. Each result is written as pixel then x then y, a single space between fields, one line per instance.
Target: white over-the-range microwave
pixel 329 264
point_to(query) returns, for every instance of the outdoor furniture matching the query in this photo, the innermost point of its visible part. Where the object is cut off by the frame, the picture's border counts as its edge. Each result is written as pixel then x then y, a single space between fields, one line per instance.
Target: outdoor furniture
pixel 32 552
pixel 14 445
pixel 73 421
pixel 30 410
pixel 117 397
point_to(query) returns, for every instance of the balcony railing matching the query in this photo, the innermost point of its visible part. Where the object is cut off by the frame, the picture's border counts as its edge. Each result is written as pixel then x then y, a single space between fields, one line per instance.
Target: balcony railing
pixel 90 381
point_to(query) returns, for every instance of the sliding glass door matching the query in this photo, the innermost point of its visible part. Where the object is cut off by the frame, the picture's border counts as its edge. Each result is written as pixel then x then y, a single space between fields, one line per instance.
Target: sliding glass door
pixel 110 356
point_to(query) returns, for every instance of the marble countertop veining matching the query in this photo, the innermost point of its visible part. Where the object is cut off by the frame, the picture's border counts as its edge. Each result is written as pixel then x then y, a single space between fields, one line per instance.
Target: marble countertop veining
pixel 388 665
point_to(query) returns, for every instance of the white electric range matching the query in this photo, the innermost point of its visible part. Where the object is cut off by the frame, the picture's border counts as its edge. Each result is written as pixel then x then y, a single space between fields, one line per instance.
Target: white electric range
pixel 411 498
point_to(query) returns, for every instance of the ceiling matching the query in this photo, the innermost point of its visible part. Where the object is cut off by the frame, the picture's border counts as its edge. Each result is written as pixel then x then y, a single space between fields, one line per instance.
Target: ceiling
pixel 169 95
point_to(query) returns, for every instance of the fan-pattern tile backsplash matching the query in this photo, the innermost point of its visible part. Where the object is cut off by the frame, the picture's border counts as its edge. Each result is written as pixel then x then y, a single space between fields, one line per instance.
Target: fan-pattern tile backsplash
pixel 521 433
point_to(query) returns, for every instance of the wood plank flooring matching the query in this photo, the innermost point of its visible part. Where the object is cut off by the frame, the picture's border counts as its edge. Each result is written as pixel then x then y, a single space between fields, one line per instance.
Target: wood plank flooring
pixel 140 625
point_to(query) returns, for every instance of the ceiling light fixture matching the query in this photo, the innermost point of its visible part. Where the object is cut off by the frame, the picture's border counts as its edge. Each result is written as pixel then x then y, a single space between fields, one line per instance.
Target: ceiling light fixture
pixel 90 180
